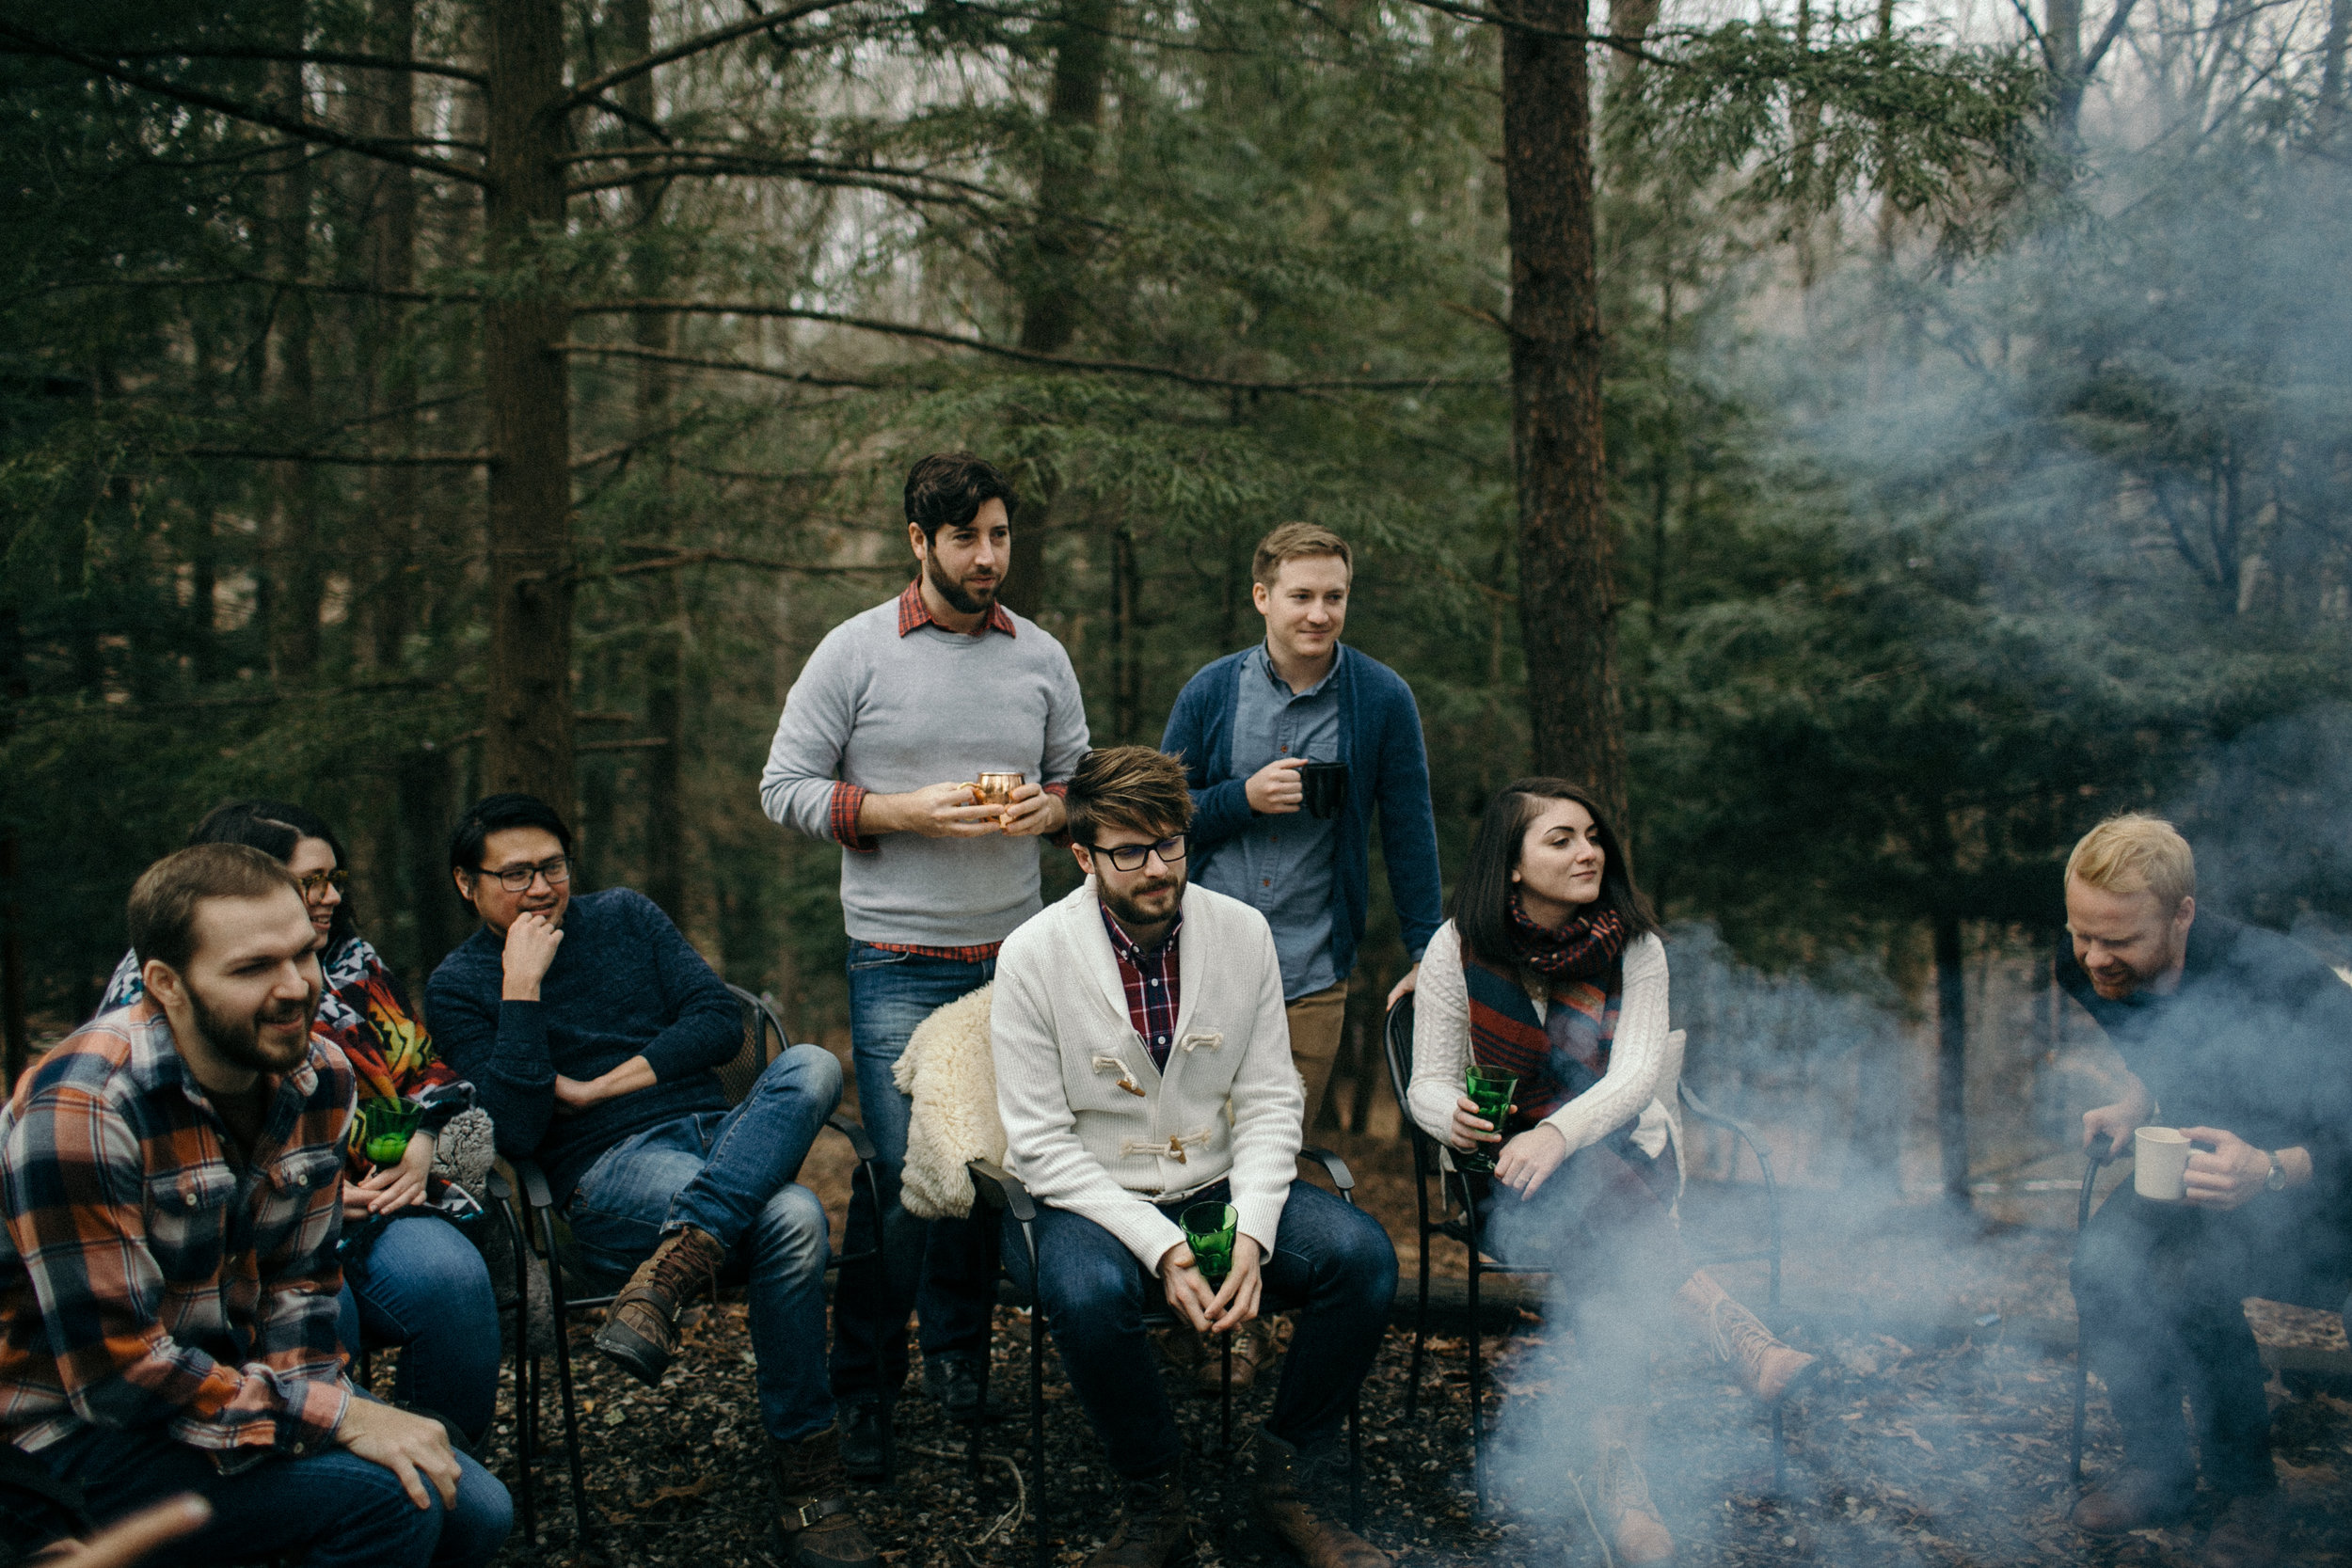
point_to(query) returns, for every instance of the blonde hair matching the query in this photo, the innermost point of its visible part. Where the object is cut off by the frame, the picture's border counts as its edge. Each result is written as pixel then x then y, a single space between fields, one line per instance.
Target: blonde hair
pixel 1296 542
pixel 2136 853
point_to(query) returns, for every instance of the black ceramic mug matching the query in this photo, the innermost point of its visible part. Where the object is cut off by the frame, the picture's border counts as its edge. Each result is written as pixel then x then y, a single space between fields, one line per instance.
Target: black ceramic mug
pixel 1325 785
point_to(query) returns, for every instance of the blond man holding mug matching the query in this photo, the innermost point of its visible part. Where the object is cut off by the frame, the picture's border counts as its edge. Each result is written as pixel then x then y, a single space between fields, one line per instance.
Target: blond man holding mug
pixel 2238 1041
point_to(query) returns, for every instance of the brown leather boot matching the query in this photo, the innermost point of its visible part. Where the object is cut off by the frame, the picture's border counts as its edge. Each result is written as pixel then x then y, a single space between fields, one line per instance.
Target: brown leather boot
pixel 640 1333
pixel 1255 1348
pixel 1637 1536
pixel 1152 1529
pixel 2246 1535
pixel 1768 1369
pixel 2133 1498
pixel 815 1524
pixel 1293 1492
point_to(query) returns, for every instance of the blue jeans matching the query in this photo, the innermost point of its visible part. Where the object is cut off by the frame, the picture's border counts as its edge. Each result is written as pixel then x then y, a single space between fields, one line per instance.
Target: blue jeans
pixel 422 1287
pixel 729 1174
pixel 937 1268
pixel 334 1509
pixel 1332 1265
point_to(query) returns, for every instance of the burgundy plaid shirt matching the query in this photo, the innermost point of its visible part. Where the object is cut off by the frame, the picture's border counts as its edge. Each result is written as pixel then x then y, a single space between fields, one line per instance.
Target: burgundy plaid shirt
pixel 1152 982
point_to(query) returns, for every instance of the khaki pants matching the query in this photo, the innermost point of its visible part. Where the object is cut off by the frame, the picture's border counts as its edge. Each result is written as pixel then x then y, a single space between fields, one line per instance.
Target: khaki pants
pixel 1315 1019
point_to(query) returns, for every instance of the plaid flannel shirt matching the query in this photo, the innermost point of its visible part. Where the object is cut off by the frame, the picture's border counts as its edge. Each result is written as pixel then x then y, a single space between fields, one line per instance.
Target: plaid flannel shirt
pixel 146 1281
pixel 1153 981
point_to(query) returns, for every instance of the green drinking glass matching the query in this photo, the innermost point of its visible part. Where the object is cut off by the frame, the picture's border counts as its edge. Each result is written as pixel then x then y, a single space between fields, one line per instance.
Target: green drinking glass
pixel 385 1128
pixel 1209 1230
pixel 1490 1091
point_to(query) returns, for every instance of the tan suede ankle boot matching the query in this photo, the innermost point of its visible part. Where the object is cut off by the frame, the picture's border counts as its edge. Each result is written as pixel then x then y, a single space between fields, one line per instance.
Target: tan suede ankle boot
pixel 1637 1536
pixel 1768 1369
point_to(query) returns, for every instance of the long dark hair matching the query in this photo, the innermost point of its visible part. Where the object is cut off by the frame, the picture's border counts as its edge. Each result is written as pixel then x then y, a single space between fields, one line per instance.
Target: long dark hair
pixel 1482 898
pixel 274 828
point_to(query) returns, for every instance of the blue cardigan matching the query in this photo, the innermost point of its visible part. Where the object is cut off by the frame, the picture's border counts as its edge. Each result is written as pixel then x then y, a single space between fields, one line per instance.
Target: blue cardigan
pixel 1388 768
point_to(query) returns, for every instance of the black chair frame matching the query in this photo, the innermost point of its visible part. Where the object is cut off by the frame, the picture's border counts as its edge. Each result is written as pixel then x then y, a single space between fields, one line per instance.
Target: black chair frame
pixel 1002 1193
pixel 763 1035
pixel 1460 1195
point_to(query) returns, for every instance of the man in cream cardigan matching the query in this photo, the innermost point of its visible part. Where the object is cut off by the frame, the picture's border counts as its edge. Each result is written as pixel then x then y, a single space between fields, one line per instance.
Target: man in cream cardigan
pixel 1143 1064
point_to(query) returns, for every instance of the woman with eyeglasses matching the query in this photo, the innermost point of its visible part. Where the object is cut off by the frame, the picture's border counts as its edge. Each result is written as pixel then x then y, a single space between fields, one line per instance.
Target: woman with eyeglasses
pixel 412 1276
pixel 1552 971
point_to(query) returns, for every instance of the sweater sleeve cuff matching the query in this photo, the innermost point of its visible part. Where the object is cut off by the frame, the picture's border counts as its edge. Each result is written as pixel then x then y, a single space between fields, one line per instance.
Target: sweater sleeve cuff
pixel 848 798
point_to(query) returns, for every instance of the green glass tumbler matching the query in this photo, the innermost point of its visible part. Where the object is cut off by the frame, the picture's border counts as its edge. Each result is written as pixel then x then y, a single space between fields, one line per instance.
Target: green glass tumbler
pixel 1209 1230
pixel 385 1128
pixel 1492 1091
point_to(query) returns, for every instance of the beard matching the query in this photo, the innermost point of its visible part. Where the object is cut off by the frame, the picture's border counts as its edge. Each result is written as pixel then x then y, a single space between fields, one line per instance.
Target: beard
pixel 966 601
pixel 239 1040
pixel 1124 906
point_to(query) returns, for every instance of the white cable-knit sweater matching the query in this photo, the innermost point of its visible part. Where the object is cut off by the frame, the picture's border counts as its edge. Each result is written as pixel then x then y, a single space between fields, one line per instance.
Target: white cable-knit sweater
pixel 1643 1068
pixel 1091 1126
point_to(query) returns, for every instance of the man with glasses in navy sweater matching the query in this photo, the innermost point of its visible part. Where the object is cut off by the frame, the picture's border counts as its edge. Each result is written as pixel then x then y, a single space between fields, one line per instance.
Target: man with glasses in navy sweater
pixel 592 1032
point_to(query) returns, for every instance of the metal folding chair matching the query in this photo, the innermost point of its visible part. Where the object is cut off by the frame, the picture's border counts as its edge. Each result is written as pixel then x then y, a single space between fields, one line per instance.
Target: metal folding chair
pixel 1462 1198
pixel 763 1042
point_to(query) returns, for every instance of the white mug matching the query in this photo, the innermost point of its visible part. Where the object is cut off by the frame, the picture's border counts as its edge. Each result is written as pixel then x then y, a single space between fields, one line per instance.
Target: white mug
pixel 2160 1164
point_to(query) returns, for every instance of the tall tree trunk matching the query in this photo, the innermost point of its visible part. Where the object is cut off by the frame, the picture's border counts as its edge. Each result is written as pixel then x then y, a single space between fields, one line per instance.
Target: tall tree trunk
pixel 388 611
pixel 1568 544
pixel 529 741
pixel 1057 245
pixel 665 652
pixel 296 582
pixel 2331 65
pixel 1951 1057
pixel 2063 41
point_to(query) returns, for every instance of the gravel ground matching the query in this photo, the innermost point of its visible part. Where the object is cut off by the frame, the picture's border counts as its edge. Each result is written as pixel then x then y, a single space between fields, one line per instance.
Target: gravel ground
pixel 1903 1454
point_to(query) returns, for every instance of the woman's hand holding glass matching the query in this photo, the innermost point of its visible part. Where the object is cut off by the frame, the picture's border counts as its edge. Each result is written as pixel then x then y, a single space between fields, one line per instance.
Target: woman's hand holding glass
pixel 1529 1160
pixel 1469 1128
pixel 392 1188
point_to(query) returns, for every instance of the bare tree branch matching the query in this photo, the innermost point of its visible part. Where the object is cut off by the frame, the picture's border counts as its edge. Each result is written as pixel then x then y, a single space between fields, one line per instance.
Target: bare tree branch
pixel 630 351
pixel 2107 36
pixel 1624 44
pixel 293 125
pixel 1028 357
pixel 597 87
pixel 300 57
pixel 844 177
pixel 781 165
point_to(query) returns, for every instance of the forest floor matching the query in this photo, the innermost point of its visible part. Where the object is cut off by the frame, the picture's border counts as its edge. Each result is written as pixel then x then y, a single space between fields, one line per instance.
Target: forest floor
pixel 1944 1449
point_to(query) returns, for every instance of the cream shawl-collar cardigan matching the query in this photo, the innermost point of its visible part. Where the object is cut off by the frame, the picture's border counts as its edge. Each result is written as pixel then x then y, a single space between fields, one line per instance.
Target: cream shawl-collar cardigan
pixel 1092 1127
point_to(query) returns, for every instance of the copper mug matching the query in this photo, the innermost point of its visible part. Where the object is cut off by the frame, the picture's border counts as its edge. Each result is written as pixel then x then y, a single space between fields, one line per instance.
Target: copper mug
pixel 995 789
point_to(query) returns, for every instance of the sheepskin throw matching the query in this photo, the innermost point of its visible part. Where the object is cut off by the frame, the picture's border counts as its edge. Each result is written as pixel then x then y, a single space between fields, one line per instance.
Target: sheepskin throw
pixel 950 1071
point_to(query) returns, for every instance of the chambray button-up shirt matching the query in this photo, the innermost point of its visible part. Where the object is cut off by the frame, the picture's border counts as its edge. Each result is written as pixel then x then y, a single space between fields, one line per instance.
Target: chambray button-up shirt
pixel 1283 866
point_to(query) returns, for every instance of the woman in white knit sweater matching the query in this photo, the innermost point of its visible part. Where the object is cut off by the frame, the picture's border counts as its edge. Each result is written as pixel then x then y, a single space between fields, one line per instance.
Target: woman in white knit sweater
pixel 1552 969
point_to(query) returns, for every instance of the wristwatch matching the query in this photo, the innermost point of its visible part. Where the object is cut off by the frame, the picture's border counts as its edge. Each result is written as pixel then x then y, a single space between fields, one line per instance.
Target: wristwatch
pixel 2277 1181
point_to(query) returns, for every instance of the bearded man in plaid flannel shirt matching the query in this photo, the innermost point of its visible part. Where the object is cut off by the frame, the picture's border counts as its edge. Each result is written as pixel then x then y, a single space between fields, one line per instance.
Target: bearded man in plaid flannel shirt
pixel 170 1182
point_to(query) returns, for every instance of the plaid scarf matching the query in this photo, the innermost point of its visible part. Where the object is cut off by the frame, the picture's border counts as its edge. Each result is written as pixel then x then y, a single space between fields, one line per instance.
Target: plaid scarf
pixel 1586 948
pixel 1566 1052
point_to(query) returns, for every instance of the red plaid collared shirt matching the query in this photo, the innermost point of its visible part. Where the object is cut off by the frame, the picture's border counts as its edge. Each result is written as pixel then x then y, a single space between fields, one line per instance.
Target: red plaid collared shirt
pixel 849 799
pixel 1152 981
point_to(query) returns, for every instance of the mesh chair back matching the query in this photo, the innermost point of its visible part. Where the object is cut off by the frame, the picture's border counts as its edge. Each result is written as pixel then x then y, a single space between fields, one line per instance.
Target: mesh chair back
pixel 763 1042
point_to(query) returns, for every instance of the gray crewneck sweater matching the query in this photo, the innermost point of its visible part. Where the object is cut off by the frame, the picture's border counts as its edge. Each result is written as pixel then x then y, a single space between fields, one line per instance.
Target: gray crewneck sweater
pixel 892 713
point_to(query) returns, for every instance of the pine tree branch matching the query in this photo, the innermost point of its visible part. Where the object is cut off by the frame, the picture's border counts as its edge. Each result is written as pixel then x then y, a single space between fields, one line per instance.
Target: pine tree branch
pixel 341 459
pixel 253 113
pixel 782 165
pixel 597 87
pixel 841 176
pixel 290 285
pixel 1026 356
pixel 726 558
pixel 1624 44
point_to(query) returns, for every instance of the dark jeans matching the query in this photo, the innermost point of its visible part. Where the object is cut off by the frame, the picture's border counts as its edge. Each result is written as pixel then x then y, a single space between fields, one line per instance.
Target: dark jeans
pixel 937 1268
pixel 729 1174
pixel 2159 1291
pixel 422 1287
pixel 334 1509
pixel 1601 1223
pixel 1332 1265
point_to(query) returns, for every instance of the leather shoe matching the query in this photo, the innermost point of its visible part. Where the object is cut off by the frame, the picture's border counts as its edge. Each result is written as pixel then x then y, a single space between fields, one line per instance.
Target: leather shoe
pixel 954 1381
pixel 865 1440
pixel 2247 1533
pixel 1153 1529
pixel 2133 1498
pixel 1295 1497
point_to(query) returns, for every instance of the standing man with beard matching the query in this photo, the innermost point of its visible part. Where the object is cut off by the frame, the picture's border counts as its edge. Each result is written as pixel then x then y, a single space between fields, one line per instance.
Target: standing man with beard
pixel 2241 1039
pixel 893 720
pixel 173 1188
pixel 1143 1064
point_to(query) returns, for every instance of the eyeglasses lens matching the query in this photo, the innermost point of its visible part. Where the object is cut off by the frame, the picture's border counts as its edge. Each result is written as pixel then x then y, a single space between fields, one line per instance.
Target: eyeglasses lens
pixel 517 878
pixel 1130 857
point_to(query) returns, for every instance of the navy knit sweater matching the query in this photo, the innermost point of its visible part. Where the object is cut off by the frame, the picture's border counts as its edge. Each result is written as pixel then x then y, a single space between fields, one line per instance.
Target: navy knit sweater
pixel 623 984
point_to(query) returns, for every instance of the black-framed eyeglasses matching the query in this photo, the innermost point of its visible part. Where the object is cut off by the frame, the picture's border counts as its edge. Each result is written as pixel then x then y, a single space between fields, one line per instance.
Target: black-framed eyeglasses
pixel 517 878
pixel 1130 857
pixel 312 883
